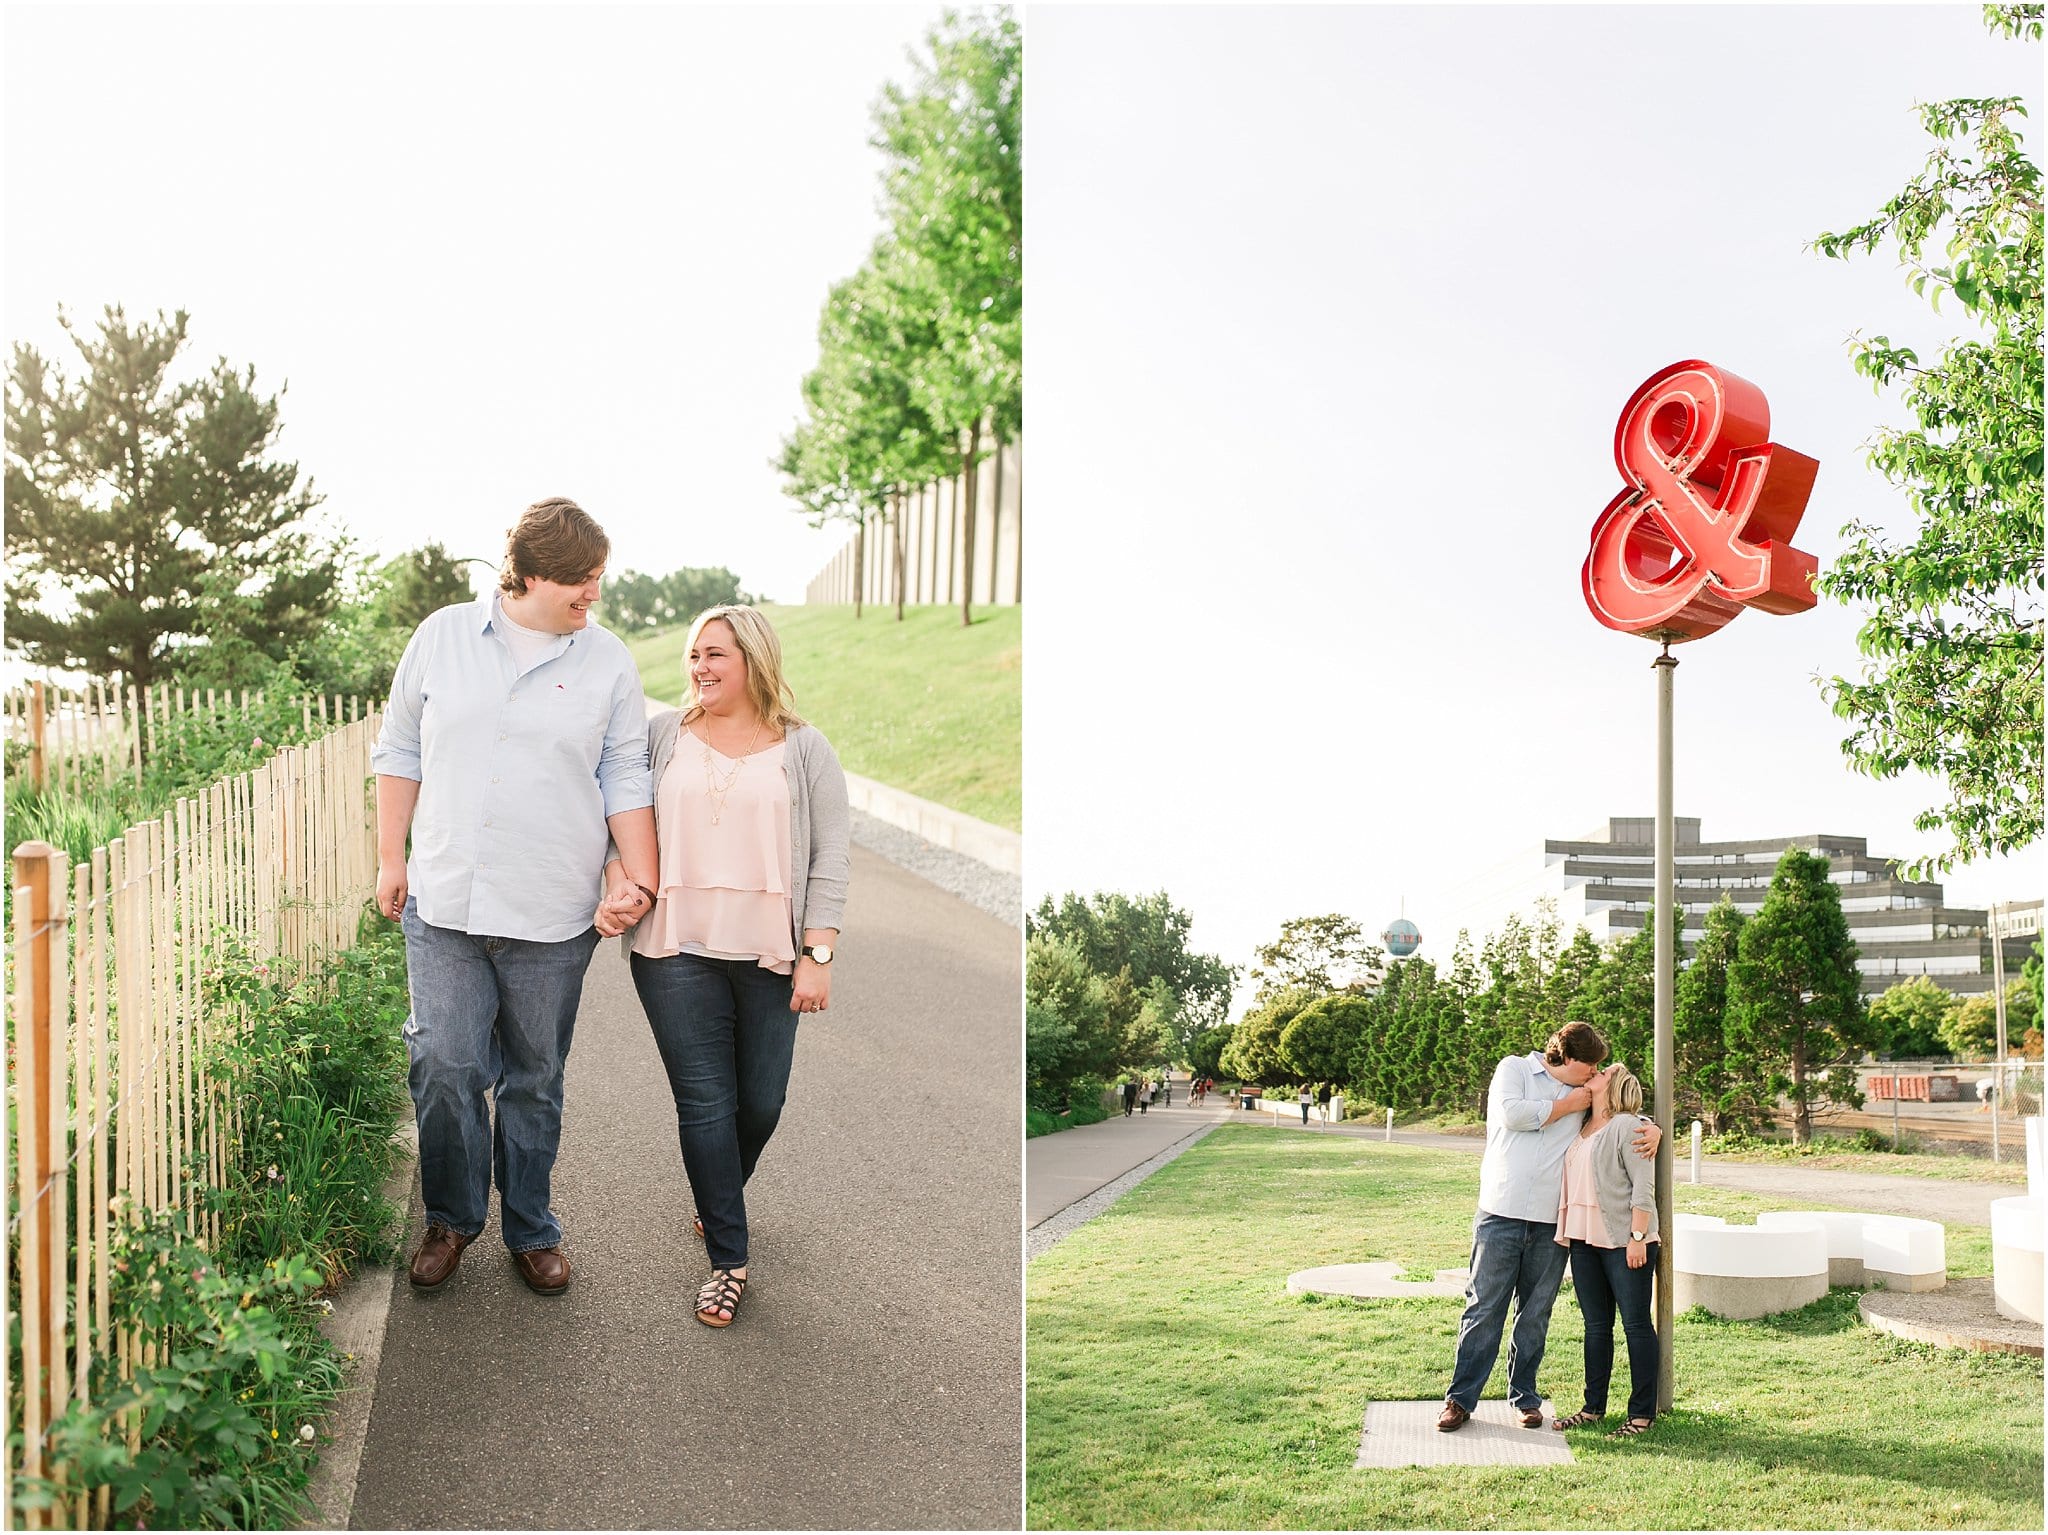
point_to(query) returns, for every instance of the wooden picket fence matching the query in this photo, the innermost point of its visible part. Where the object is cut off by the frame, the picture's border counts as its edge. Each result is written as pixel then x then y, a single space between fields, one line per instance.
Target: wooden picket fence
pixel 80 736
pixel 114 1112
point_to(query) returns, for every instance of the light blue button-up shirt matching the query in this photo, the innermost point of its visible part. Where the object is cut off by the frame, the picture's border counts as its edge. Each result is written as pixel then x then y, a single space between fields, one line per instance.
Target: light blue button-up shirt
pixel 1522 1175
pixel 517 773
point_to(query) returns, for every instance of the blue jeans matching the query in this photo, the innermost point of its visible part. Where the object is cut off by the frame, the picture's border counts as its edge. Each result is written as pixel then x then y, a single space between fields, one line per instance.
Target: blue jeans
pixel 1605 1282
pixel 727 1038
pixel 491 1018
pixel 1511 1260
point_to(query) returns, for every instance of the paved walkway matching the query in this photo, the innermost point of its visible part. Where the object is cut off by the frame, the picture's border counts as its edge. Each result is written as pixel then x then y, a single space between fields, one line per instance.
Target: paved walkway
pixel 1069 1165
pixel 1064 1167
pixel 872 1378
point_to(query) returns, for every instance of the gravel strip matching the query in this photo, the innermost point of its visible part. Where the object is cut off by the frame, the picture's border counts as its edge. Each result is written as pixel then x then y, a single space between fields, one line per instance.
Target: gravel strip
pixel 1049 1233
pixel 1000 895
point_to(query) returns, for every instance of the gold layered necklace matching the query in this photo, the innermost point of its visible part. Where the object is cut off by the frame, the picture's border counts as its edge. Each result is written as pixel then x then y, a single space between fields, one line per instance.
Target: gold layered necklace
pixel 716 789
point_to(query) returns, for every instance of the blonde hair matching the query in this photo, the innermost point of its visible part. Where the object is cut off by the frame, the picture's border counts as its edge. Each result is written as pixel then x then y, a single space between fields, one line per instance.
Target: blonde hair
pixel 761 650
pixel 1624 1092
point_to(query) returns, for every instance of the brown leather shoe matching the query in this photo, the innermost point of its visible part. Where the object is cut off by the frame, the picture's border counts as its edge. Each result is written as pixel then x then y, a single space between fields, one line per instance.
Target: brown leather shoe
pixel 544 1269
pixel 1531 1417
pixel 439 1255
pixel 1453 1417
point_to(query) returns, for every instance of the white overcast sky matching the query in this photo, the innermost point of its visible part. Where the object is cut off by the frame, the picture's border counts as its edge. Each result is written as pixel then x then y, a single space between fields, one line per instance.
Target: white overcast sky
pixel 1332 314
pixel 498 252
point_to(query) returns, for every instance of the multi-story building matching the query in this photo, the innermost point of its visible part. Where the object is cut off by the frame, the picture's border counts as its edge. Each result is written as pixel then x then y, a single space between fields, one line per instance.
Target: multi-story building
pixel 1604 881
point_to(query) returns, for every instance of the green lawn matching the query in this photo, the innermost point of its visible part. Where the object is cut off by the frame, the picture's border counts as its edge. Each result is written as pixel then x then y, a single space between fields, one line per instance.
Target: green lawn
pixel 1173 1382
pixel 927 705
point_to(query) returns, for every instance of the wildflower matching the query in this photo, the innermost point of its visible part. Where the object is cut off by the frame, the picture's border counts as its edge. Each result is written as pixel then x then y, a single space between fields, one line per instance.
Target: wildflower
pixel 273 1174
pixel 273 1433
pixel 305 1433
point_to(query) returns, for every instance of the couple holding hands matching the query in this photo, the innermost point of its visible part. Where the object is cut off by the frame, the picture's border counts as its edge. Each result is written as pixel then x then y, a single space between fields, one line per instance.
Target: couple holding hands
pixel 547 811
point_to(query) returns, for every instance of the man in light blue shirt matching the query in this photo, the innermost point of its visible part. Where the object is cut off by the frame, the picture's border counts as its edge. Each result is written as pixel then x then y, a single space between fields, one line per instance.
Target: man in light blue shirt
pixel 513 747
pixel 1534 1108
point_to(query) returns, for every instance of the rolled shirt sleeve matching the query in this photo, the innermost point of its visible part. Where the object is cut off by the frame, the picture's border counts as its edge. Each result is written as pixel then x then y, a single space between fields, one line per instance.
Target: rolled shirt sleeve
pixel 623 774
pixel 397 752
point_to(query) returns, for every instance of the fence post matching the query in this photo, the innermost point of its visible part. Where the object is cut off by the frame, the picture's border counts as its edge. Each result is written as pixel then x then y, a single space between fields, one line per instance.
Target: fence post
pixel 35 734
pixel 34 999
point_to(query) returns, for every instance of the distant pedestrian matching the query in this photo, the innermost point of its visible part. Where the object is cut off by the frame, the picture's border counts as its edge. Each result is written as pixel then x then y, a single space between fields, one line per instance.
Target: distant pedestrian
pixel 1145 1095
pixel 1307 1098
pixel 1167 1083
pixel 1130 1096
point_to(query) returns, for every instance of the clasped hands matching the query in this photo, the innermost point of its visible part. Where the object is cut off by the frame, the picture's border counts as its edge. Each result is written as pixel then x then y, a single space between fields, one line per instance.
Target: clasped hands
pixel 625 901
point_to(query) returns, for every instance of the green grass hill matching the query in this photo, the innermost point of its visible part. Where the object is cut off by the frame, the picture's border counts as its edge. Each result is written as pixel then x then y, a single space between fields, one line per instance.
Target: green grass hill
pixel 927 706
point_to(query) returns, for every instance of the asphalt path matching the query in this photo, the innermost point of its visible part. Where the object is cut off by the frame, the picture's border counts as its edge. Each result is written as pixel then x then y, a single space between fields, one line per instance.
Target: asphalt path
pixel 873 1378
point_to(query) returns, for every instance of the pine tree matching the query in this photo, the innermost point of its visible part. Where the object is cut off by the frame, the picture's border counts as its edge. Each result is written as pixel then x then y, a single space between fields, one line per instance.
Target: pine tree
pixel 1796 1019
pixel 1704 1088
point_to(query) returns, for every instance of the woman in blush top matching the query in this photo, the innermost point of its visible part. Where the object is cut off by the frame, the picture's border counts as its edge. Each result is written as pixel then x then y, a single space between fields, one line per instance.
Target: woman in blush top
pixel 1607 1215
pixel 751 829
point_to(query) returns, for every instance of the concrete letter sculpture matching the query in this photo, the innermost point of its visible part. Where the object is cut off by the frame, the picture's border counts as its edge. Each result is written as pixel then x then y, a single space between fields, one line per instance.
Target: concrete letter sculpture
pixel 2016 1272
pixel 1748 1271
pixel 1888 1252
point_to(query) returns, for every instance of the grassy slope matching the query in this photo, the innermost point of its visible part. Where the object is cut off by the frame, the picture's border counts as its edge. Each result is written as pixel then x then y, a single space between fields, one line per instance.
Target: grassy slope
pixel 1173 1382
pixel 925 705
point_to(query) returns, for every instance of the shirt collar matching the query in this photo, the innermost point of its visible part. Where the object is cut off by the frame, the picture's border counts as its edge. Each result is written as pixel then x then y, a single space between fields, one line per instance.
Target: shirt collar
pixel 493 610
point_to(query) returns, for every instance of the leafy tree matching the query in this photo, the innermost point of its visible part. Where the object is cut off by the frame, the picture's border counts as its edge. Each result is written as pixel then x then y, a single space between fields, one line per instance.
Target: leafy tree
pixel 1703 1086
pixel 1323 954
pixel 635 603
pixel 1080 1027
pixel 1908 1019
pixel 1952 680
pixel 1149 936
pixel 1319 1042
pixel 1254 1051
pixel 1971 1028
pixel 1796 1018
pixel 154 506
pixel 866 437
pixel 953 192
pixel 420 582
pixel 1204 1052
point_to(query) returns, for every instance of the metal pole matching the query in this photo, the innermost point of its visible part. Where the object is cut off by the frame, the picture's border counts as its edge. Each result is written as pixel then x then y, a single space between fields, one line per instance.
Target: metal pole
pixel 1998 1010
pixel 1664 952
pixel 1895 1105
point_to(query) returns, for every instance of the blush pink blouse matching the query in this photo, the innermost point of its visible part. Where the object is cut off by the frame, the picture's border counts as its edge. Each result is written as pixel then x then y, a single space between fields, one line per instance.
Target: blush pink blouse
pixel 1578 1208
pixel 724 885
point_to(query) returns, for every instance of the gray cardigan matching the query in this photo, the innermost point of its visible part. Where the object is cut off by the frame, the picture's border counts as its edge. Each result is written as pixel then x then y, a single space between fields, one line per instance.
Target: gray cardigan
pixel 1625 1182
pixel 818 822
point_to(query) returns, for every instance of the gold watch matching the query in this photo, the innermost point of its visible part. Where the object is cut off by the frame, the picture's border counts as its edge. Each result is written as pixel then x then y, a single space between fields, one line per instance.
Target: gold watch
pixel 819 952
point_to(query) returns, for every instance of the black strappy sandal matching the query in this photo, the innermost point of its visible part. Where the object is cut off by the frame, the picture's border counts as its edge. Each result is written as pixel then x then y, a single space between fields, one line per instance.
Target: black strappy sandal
pixel 721 1293
pixel 1630 1429
pixel 698 1222
pixel 1579 1419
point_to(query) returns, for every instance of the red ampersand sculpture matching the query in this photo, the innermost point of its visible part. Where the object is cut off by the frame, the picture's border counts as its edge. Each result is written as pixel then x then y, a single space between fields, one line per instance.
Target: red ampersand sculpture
pixel 1703 531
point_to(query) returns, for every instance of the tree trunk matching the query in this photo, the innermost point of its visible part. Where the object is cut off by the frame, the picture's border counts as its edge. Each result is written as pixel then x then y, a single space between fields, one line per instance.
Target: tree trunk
pixel 902 510
pixel 1802 1118
pixel 970 481
pixel 995 525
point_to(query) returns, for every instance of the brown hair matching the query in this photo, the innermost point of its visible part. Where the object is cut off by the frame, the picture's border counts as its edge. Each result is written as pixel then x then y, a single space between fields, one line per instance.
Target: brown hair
pixel 553 540
pixel 1575 1042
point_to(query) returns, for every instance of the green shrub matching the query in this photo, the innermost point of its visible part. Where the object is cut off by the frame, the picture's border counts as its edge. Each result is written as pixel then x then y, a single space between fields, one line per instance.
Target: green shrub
pixel 225 1413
